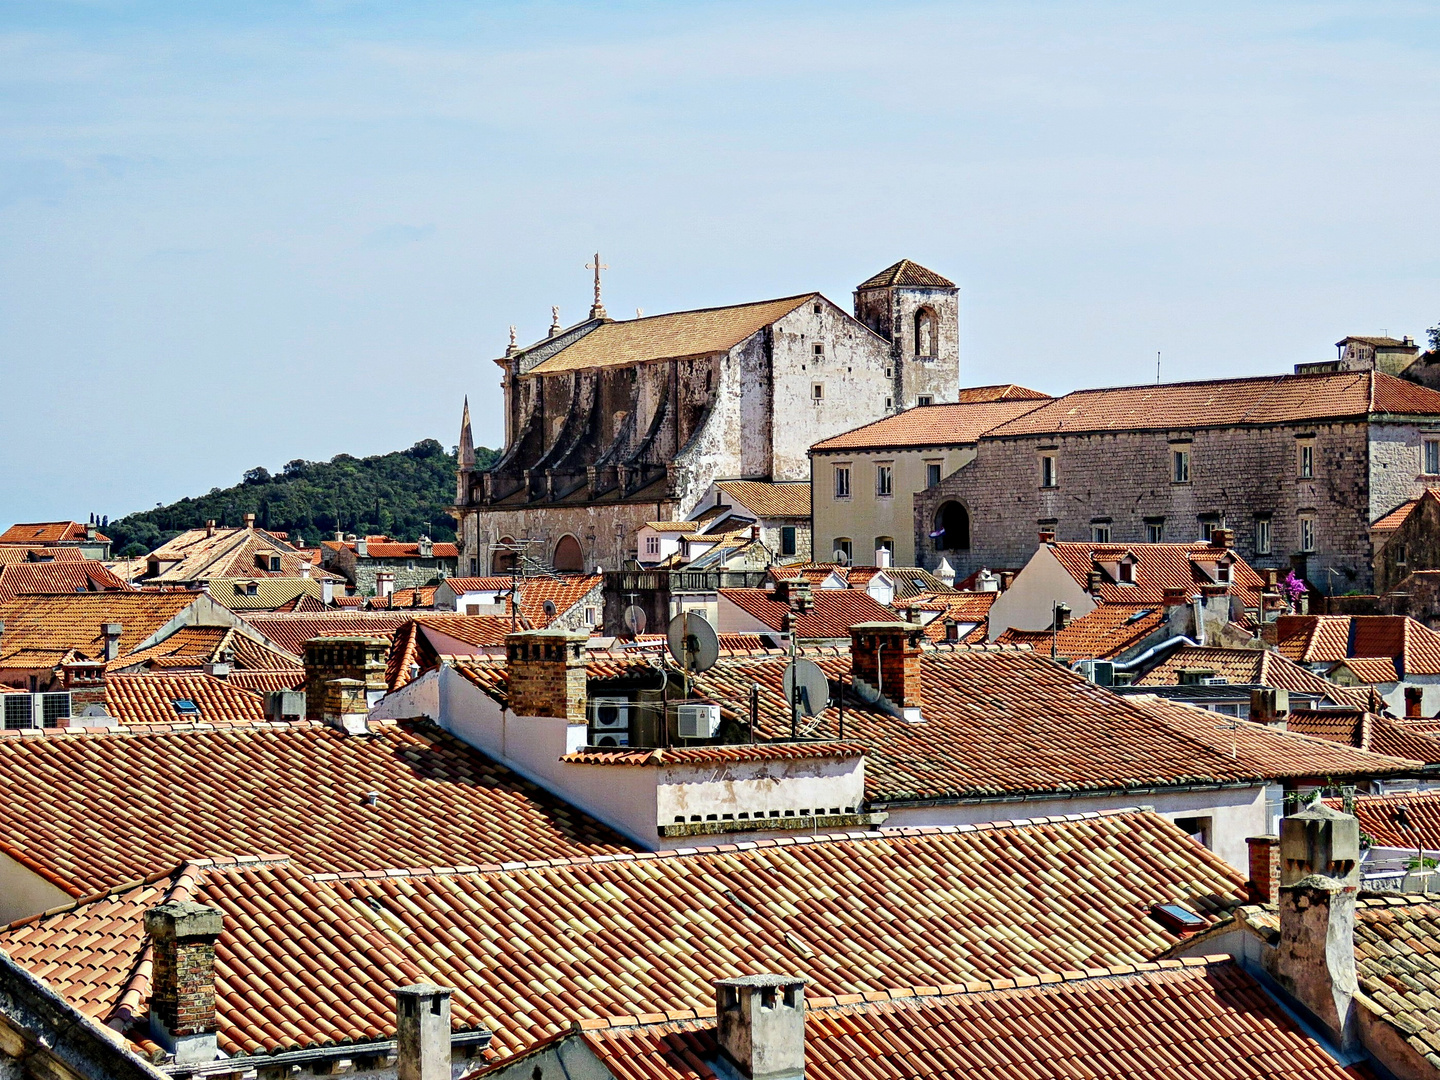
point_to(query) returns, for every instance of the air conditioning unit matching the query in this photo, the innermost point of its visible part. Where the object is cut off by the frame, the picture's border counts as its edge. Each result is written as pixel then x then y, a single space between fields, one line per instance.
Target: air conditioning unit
pixel 610 740
pixel 280 704
pixel 1099 672
pixel 1214 680
pixel 610 714
pixel 697 721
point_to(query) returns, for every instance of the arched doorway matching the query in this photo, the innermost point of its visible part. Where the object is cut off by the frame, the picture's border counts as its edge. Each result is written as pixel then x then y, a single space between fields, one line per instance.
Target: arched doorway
pixel 502 559
pixel 952 527
pixel 569 559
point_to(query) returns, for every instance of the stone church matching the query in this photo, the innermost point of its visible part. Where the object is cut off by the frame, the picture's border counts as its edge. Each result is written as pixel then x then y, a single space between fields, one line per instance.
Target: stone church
pixel 612 423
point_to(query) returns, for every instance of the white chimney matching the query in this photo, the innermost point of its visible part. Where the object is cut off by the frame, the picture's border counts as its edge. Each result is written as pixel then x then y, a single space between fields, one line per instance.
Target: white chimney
pixel 946 573
pixel 305 570
pixel 986 581
pixel 384 583
pixel 111 632
pixel 882 558
pixel 760 1025
pixel 422 1032
pixel 362 547
pixel 327 592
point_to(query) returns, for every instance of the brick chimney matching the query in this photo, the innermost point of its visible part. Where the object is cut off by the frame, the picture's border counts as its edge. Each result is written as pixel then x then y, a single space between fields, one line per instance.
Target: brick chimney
pixel 85 680
pixel 344 676
pixel 1222 538
pixel 422 1032
pixel 182 981
pixel 885 658
pixel 1264 883
pixel 1047 536
pixel 1414 696
pixel 760 1025
pixel 1174 596
pixel 111 632
pixel 1315 960
pixel 547 674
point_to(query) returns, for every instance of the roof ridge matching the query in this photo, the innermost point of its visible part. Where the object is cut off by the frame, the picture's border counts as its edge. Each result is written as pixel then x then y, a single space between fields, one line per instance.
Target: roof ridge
pixel 724 848
pixel 922 993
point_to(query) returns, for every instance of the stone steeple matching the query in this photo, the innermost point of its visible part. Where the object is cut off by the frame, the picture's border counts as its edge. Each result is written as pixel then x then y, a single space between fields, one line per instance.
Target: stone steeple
pixel 467 441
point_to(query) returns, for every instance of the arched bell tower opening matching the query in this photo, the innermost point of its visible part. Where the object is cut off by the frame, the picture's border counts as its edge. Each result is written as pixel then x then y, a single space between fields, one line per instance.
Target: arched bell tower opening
pixel 952 527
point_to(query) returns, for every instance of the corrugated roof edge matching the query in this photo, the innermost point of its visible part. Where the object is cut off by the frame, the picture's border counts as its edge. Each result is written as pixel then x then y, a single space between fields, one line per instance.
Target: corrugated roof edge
pixel 745 845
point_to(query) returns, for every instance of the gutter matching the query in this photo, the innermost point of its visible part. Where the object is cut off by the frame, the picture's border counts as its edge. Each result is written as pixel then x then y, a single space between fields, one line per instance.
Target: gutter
pixel 1079 793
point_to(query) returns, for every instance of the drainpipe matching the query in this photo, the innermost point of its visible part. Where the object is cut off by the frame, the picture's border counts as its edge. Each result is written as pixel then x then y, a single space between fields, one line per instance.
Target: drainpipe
pixel 1197 609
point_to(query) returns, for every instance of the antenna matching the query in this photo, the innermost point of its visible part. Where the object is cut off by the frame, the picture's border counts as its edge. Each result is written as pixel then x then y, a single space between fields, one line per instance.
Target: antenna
pixel 839 557
pixel 807 687
pixel 1157 367
pixel 635 619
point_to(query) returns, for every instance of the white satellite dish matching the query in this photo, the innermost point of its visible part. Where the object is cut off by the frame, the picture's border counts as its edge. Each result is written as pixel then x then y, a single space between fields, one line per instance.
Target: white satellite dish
pixel 635 619
pixel 840 558
pixel 807 686
pixel 692 642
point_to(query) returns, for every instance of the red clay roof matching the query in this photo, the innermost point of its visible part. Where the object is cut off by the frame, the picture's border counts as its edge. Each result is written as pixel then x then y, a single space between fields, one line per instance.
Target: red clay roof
pixel 564 592
pixel 150 699
pixel 831 615
pixel 1322 639
pixel 23 554
pixel 1192 1018
pixel 999 392
pixel 1367 731
pixel 931 425
pixel 1269 399
pixel 290 630
pixel 767 500
pixel 60 576
pixel 1255 667
pixel 906 273
pixel 47 532
pixel 595 937
pixel 43 629
pixel 1157 567
pixel 152 800
pixel 1380 818
pixel 1103 632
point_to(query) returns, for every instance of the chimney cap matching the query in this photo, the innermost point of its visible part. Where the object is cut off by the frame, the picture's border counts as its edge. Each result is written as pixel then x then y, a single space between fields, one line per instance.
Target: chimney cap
pixel 183 919
pixel 765 979
pixel 423 990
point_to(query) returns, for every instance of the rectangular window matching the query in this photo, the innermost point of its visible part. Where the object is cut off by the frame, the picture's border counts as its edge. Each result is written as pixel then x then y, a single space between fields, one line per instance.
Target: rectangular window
pixel 787 540
pixel 889 403
pixel 1305 463
pixel 924 399
pixel 1432 457
pixel 819 349
pixel 1208 525
pixel 1049 472
pixel 1180 466
pixel 1307 532
pixel 1262 536
pixel 1100 533
pixel 842 481
pixel 844 549
pixel 1155 532
pixel 932 473
pixel 652 545
pixel 884 480
pixel 817 392
pixel 592 616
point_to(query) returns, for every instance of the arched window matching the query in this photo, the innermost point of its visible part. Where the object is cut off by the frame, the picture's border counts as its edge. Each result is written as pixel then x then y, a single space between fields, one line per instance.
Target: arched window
pixel 503 559
pixel 925 332
pixel 952 527
pixel 569 559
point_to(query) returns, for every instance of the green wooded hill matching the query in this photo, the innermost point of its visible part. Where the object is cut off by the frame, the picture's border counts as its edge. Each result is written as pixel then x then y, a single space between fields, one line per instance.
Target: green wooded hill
pixel 402 494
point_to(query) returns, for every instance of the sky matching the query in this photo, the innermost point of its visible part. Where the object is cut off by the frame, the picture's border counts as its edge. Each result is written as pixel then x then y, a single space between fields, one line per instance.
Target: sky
pixel 234 234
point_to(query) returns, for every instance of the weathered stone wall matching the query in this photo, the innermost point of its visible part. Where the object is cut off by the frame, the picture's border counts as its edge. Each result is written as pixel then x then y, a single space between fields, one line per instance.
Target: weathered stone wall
pixel 605 531
pixel 1415 545
pixel 1123 478
pixel 1395 464
pixel 891 312
pixel 408 573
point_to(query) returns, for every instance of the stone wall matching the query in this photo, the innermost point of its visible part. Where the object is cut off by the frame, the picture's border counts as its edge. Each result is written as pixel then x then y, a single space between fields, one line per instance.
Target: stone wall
pixel 1124 479
pixel 408 573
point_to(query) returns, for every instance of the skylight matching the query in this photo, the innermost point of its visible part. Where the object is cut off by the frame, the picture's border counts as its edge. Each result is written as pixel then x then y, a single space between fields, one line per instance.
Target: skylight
pixel 1139 615
pixel 186 707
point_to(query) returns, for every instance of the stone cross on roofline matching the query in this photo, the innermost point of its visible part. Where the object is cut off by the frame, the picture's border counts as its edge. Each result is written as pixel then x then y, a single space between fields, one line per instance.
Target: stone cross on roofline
pixel 597 310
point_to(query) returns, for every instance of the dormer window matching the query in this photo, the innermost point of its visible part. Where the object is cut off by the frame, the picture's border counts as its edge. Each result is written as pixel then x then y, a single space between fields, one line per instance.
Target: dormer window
pixel 1222 573
pixel 252 588
pixel 1125 572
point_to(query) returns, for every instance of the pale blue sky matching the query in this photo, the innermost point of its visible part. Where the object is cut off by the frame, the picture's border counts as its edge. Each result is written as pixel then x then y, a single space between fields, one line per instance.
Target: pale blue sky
pixel 232 234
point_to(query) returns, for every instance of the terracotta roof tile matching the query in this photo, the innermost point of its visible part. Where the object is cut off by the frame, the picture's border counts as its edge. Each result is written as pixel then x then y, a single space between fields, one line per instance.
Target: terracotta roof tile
pixel 151 699
pixel 831 615
pixel 646 933
pixel 930 425
pixel 999 392
pixel 768 500
pixel 25 553
pixel 291 630
pixel 51 626
pixel 1380 818
pixel 1367 731
pixel 1322 639
pixel 1101 633
pixel 152 800
pixel 705 755
pixel 201 554
pixel 672 336
pixel 1157 567
pixel 47 532
pixel 60 576
pixel 906 273
pixel 1253 667
pixel 1191 1020
pixel 1271 399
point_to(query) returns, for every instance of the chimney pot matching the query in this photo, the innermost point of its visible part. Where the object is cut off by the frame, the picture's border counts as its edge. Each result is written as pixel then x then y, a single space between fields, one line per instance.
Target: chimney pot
pixel 210 527
pixel 182 995
pixel 111 631
pixel 1269 705
pixel 760 1025
pixel 343 675
pixel 1047 536
pixel 422 1032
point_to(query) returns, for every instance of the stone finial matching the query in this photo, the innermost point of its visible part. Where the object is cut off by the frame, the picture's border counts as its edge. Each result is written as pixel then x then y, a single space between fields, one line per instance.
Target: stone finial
pixel 597 310
pixel 513 347
pixel 554 320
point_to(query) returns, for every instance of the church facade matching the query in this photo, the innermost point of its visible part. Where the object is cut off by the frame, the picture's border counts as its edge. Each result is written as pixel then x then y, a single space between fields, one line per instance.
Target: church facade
pixel 610 424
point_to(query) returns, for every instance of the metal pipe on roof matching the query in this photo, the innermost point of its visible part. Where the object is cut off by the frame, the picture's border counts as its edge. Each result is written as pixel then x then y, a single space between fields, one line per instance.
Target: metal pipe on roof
pixel 1168 643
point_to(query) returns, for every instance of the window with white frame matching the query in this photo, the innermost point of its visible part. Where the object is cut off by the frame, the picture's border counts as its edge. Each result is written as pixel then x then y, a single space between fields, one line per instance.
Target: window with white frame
pixel 1432 457
pixel 1305 459
pixel 932 473
pixel 817 392
pixel 1049 471
pixel 842 481
pixel 844 548
pixel 1180 465
pixel 1262 536
pixel 1307 532
pixel 1155 531
pixel 1100 532
pixel 925 399
pixel 884 479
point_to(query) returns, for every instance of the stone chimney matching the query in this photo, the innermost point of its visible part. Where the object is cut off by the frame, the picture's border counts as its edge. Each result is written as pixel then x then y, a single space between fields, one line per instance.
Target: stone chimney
pixel 182 981
pixel 885 657
pixel 362 547
pixel 547 674
pixel 249 521
pixel 344 676
pixel 1007 578
pixel 1222 538
pixel 1264 883
pixel 90 531
pixel 384 583
pixel 1060 616
pixel 111 632
pixel 426 547
pixel 1174 596
pixel 1269 706
pixel 1315 960
pixel 422 1032
pixel 1093 581
pixel 785 588
pixel 760 1025
pixel 210 528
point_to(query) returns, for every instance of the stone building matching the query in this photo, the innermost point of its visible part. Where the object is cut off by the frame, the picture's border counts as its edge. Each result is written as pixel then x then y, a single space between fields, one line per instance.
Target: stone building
pixel 611 424
pixel 1296 466
pixel 378 565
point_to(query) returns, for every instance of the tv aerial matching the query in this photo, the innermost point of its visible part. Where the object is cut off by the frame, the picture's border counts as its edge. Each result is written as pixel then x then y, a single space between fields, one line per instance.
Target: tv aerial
pixel 692 642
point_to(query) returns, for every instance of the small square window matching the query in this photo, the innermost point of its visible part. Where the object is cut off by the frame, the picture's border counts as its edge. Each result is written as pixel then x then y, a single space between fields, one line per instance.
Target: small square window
pixel 889 403
pixel 925 399
pixel 817 392
pixel 932 474
pixel 186 707
pixel 817 309
pixel 818 349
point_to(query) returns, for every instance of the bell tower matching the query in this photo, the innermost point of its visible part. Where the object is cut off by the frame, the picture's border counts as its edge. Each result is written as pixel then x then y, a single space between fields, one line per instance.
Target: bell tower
pixel 918 312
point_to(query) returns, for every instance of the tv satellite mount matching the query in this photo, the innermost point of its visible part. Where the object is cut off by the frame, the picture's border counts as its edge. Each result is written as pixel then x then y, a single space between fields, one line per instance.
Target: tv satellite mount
pixel 840 558
pixel 635 619
pixel 692 642
pixel 807 687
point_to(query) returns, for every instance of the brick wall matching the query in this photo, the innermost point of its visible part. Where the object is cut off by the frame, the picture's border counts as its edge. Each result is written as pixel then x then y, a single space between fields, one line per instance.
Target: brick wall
pixel 888 658
pixel 547 674
pixel 359 659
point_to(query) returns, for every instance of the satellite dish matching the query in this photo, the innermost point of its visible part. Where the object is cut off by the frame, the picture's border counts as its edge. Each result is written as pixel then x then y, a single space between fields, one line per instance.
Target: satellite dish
pixel 635 619
pixel 807 686
pixel 692 642
pixel 840 557
pixel 549 608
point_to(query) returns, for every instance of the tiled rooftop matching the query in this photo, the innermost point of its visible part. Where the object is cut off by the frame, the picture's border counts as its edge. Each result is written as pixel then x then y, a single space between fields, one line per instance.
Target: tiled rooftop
pixel 999 392
pixel 291 630
pixel 201 554
pixel 664 337
pixel 1381 818
pixel 906 273
pixel 1196 1019
pixel 1270 399
pixel 532 949
pixel 1104 632
pixel 151 699
pixel 1367 731
pixel 832 613
pixel 154 800
pixel 47 532
pixel 1319 639
pixel 1157 567
pixel 1255 667
pixel 41 630
pixel 60 576
pixel 931 425
pixel 769 500
pixel 23 553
